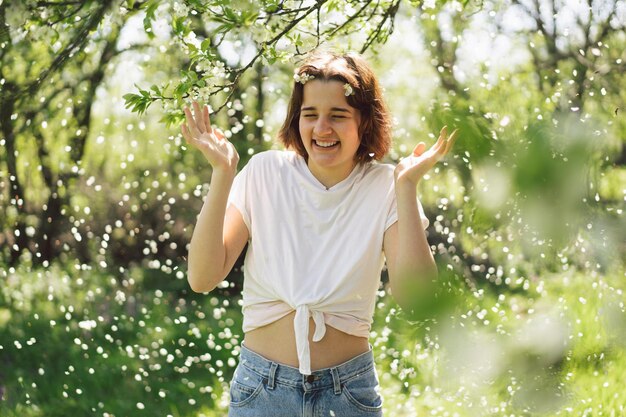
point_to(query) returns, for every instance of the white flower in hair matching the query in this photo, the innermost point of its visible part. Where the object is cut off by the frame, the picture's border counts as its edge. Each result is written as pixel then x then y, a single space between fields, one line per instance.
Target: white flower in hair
pixel 302 78
pixel 348 89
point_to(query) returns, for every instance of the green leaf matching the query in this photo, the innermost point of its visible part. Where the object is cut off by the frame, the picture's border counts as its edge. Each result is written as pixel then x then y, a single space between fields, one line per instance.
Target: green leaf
pixel 181 89
pixel 332 6
pixel 197 4
pixel 150 8
pixel 130 96
pixel 206 45
pixel 224 28
pixel 138 103
pixel 231 15
pixel 179 26
pixel 248 18
pixel 172 119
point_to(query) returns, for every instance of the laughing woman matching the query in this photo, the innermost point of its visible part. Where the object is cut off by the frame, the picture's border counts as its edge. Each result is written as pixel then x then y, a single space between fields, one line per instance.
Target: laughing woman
pixel 321 218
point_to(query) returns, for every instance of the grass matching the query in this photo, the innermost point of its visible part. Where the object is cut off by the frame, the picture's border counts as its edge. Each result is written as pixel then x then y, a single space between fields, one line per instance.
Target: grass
pixel 68 336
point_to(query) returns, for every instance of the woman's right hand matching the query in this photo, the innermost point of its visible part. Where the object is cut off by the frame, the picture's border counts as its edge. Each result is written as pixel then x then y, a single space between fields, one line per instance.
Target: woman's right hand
pixel 199 133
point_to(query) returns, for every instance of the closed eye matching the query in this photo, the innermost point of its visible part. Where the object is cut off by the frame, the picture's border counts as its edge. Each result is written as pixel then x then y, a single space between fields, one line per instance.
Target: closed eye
pixel 313 115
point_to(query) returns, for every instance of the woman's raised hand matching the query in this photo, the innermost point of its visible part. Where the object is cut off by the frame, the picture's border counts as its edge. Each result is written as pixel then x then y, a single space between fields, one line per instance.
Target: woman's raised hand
pixel 199 133
pixel 411 169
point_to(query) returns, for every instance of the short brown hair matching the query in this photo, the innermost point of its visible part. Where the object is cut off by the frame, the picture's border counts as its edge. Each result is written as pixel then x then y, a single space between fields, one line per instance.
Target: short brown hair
pixel 351 68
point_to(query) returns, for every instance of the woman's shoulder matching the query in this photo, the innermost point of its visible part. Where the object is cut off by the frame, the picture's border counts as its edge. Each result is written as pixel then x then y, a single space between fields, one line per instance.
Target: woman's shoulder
pixel 273 156
pixel 271 161
pixel 377 177
pixel 379 169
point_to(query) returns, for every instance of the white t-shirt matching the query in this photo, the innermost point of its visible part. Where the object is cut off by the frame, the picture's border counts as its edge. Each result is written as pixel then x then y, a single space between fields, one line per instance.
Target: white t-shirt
pixel 314 250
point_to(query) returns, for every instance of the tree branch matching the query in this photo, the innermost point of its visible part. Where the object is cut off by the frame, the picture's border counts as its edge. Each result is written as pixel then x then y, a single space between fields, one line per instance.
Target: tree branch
pixel 5 35
pixel 286 29
pixel 605 28
pixel 350 19
pixel 77 43
pixel 388 15
pixel 57 3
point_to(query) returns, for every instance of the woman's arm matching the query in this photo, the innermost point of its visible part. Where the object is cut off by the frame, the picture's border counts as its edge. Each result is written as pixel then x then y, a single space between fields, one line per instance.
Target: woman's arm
pixel 218 238
pixel 220 234
pixel 410 261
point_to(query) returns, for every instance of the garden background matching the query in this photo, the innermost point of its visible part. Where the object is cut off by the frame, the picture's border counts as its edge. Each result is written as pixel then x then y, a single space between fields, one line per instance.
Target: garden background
pixel 99 194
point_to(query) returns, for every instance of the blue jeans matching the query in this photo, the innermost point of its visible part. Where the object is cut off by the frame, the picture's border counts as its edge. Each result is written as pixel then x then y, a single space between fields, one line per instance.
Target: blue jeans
pixel 261 387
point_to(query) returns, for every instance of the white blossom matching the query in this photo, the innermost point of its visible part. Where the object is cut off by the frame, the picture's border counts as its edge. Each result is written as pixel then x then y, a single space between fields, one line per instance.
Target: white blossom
pixel 302 78
pixel 191 38
pixel 180 9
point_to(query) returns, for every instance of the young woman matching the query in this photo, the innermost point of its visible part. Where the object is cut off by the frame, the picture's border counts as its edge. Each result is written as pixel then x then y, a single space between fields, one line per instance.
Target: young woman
pixel 320 218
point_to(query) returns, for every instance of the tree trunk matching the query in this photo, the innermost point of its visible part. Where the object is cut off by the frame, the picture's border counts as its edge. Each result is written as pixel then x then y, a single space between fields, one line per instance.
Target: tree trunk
pixel 16 190
pixel 260 102
pixel 54 223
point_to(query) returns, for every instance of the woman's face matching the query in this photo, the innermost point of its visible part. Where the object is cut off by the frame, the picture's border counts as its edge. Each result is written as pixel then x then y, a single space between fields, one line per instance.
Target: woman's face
pixel 329 128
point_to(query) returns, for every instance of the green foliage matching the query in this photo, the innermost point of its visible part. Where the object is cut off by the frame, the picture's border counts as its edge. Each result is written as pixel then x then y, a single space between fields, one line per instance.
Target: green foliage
pixel 139 103
pixel 67 335
pixel 526 215
pixel 433 299
pixel 265 27
pixel 70 335
pixel 150 8
pixel 547 352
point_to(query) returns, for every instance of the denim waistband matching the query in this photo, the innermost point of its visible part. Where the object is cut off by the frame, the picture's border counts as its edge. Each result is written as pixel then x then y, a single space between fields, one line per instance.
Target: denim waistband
pixel 319 379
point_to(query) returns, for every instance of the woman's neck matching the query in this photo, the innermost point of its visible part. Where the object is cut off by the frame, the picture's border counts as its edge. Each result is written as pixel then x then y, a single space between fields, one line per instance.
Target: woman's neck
pixel 331 177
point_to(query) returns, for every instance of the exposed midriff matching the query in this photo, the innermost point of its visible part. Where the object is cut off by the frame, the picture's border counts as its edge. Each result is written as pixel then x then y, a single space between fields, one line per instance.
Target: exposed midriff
pixel 277 342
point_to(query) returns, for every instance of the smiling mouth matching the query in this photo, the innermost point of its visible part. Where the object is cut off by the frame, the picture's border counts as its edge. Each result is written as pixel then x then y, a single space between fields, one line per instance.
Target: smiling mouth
pixel 326 144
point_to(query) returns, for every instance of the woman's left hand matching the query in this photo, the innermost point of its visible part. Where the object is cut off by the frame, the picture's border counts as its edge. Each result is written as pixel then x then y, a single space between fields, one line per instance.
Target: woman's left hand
pixel 411 170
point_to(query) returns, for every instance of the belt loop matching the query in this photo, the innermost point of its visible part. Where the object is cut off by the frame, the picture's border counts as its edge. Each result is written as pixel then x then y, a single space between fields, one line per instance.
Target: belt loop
pixel 336 380
pixel 270 382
